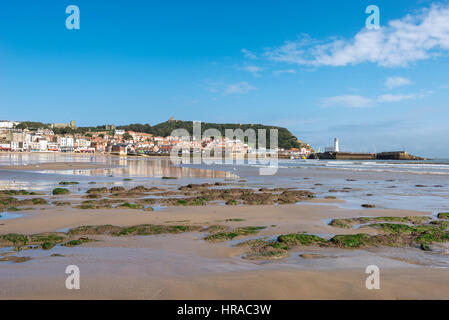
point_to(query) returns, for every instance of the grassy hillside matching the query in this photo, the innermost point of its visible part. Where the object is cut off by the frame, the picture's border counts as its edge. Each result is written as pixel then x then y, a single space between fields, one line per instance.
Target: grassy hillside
pixel 286 139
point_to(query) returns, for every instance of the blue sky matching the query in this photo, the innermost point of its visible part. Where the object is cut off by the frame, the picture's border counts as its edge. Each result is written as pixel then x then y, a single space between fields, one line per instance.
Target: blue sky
pixel 310 66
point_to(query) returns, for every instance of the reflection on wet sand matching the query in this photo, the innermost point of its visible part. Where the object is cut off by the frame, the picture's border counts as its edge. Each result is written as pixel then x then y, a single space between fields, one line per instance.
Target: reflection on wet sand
pixel 31 158
pixel 146 167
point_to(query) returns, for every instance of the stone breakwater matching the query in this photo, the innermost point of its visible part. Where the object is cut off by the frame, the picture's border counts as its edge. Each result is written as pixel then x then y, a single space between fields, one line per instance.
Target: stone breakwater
pixel 394 155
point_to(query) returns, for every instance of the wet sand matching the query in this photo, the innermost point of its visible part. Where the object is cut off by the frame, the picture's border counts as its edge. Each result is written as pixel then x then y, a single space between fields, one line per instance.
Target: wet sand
pixel 184 266
pixel 288 284
pixel 56 166
pixel 287 218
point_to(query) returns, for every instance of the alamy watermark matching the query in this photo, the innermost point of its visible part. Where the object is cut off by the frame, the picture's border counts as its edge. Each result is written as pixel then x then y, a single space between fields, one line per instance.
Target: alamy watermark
pixel 73 280
pixel 373 280
pixel 373 20
pixel 73 20
pixel 236 147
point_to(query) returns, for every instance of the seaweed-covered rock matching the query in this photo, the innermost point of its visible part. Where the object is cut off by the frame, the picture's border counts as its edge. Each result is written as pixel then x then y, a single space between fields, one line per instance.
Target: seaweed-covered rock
pixel 443 215
pixel 296 239
pixel 352 240
pixel 117 189
pixel 265 250
pixel 15 259
pixel 94 230
pixel 97 190
pixel 128 205
pixel 229 235
pixel 60 191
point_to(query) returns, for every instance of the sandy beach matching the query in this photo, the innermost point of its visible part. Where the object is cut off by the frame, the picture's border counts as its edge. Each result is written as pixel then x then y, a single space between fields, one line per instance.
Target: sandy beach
pixel 286 284
pixel 185 264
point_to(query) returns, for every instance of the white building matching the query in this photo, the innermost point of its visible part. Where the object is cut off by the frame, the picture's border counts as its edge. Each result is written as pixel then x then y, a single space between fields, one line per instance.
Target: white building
pixel 41 145
pixel 83 143
pixel 66 141
pixel 119 132
pixel 304 152
pixel 66 144
pixel 15 146
pixel 6 124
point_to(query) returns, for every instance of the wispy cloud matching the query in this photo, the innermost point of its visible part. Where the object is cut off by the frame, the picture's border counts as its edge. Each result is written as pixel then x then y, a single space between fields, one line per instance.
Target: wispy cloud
pixel 395 97
pixel 351 101
pixel 356 101
pixel 403 41
pixel 254 70
pixel 248 54
pixel 394 82
pixel 238 88
pixel 279 72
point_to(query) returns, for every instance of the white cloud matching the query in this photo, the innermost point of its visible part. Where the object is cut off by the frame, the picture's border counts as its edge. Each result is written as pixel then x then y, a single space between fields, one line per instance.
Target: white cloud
pixel 355 101
pixel 351 101
pixel 395 97
pixel 399 43
pixel 279 72
pixel 248 54
pixel 394 82
pixel 238 88
pixel 255 70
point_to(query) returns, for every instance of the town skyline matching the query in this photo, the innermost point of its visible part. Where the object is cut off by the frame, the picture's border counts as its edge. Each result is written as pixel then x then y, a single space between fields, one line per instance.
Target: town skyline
pixel 107 139
pixel 133 138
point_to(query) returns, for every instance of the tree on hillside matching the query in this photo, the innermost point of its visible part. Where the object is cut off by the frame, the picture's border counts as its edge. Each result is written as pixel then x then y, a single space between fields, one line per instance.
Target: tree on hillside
pixel 127 136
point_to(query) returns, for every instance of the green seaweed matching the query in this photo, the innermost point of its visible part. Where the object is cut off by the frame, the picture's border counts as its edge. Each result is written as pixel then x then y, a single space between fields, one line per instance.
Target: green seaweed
pixel 229 235
pixel 85 206
pixel 131 206
pixel 304 239
pixel 58 191
pixel 47 245
pixel 351 240
pixel 61 203
pixel 39 201
pixel 443 215
pixel 73 243
pixel 150 229
pixel 232 202
pixel 394 227
pixel 199 202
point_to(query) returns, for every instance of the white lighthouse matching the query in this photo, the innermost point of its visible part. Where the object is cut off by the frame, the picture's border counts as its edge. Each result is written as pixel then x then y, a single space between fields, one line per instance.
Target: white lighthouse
pixel 336 147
